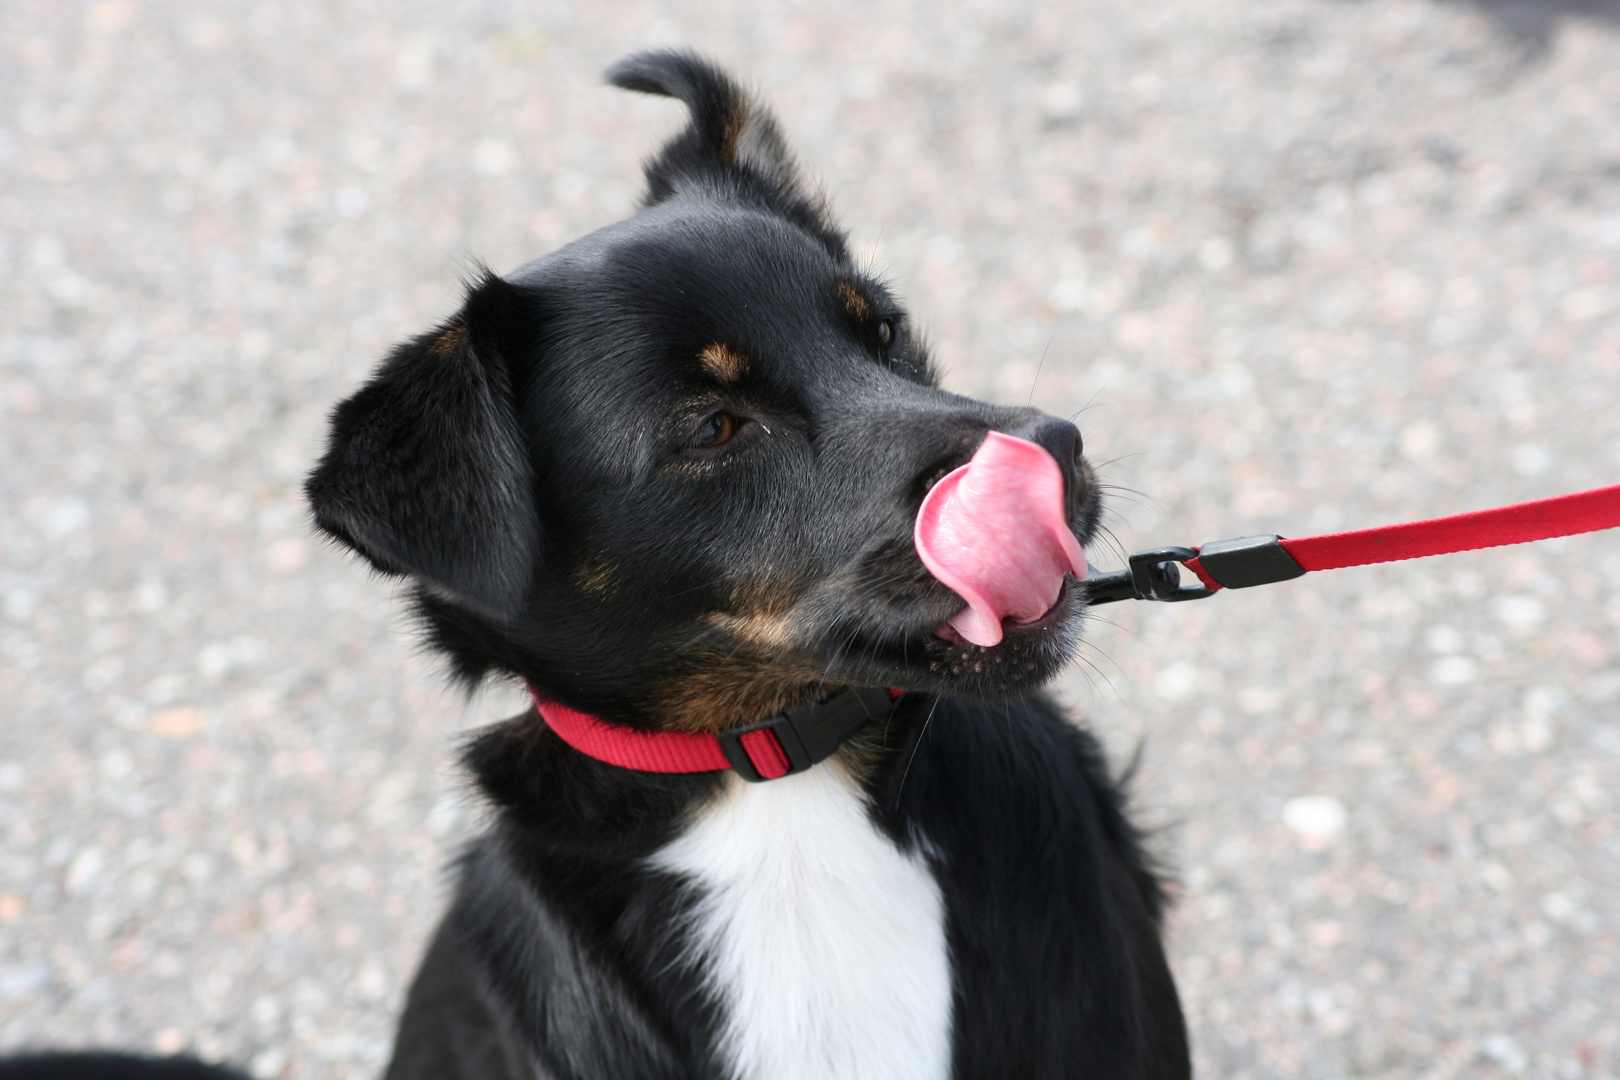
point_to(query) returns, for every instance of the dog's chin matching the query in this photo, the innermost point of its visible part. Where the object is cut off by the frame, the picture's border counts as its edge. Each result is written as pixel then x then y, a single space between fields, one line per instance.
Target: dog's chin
pixel 1028 655
pixel 930 656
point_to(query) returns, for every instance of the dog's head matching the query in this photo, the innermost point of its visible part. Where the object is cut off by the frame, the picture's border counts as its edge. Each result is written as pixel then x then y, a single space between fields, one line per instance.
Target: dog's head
pixel 669 473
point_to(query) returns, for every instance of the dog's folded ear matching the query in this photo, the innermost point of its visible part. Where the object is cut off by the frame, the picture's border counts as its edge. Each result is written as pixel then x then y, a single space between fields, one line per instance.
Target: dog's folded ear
pixel 731 136
pixel 426 472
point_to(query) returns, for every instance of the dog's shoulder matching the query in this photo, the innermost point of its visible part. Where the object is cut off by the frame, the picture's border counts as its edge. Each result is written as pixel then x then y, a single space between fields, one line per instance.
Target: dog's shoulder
pixel 1052 904
pixel 529 976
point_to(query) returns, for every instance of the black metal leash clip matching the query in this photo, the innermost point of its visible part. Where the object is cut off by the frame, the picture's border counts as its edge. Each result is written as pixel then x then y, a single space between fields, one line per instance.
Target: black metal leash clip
pixel 1152 575
pixel 1241 563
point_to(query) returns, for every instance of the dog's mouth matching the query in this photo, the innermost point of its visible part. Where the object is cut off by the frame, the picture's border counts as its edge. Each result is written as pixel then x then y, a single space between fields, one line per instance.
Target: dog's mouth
pixel 927 653
pixel 996 533
pixel 1027 653
pixel 988 607
pixel 1011 628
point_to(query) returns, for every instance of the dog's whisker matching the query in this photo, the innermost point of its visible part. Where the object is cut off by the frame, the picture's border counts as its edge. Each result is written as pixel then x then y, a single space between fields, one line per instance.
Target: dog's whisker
pixel 915 746
pixel 1094 669
pixel 1095 394
pixel 1032 383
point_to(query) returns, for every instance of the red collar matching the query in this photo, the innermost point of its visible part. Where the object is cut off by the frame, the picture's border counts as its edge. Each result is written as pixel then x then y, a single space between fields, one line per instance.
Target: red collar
pixel 784 744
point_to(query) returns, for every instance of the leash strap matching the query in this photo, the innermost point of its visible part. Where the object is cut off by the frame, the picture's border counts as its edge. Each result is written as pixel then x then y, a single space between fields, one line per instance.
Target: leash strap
pixel 1260 560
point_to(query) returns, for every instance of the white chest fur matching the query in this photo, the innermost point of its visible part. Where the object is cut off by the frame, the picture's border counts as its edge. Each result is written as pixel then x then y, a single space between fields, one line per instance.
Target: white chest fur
pixel 824 941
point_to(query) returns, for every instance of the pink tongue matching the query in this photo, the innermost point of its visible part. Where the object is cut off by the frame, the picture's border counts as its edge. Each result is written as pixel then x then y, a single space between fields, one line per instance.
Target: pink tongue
pixel 994 532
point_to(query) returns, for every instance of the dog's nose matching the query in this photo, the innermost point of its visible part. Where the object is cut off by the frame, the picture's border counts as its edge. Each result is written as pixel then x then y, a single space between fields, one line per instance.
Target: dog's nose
pixel 1057 437
pixel 1062 440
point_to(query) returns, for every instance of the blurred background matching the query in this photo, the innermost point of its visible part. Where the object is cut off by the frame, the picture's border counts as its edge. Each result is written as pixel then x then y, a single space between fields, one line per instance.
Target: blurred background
pixel 1297 265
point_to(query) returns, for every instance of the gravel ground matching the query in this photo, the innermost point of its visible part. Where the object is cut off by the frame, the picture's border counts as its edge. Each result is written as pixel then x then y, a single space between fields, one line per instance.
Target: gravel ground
pixel 1298 264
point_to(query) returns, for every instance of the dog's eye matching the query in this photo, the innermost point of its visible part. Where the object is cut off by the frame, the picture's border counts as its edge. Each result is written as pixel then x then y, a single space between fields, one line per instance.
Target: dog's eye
pixel 886 333
pixel 715 430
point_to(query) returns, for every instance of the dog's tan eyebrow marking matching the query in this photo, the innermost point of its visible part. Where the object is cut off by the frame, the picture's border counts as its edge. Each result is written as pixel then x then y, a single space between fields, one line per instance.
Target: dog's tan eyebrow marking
pixel 854 302
pixel 723 362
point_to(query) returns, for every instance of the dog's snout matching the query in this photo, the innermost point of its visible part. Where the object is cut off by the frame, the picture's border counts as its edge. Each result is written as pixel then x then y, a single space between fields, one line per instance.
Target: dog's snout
pixel 1062 440
pixel 1059 438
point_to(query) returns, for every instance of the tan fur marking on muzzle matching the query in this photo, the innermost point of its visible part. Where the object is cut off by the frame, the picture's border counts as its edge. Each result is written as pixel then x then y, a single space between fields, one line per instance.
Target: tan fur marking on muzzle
pixel 761 629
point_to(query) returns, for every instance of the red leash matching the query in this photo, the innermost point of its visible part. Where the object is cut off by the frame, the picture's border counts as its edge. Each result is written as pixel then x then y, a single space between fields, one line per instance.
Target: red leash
pixel 1261 560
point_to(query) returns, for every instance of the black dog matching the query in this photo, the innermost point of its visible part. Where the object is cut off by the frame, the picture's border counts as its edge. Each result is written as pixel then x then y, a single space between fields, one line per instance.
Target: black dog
pixel 669 476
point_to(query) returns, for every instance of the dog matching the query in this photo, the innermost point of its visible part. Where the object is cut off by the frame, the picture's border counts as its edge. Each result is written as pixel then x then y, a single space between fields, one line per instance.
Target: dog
pixel 788 804
pixel 670 477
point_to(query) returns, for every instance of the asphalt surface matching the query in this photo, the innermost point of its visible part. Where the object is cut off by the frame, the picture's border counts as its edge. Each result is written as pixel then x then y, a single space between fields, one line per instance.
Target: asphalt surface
pixel 1297 265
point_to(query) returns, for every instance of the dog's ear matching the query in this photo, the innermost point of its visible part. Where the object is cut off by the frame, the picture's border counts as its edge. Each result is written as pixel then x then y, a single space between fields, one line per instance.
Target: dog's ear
pixel 426 472
pixel 731 136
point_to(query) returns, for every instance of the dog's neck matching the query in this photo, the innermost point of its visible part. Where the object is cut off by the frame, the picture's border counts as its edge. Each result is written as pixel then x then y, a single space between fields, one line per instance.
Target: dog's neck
pixel 787 743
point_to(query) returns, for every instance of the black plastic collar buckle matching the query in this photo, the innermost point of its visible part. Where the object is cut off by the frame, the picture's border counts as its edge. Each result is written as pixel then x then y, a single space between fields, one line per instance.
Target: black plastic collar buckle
pixel 1152 575
pixel 810 733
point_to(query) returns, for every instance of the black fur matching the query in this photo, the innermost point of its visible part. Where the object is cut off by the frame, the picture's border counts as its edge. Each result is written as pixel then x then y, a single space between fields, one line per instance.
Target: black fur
pixel 426 472
pixel 1053 914
pixel 668 475
pixel 733 145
